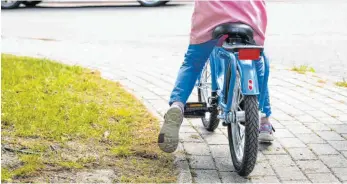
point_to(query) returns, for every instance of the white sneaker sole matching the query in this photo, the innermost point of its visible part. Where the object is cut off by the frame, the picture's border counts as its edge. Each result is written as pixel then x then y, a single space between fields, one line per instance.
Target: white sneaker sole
pixel 265 137
pixel 169 134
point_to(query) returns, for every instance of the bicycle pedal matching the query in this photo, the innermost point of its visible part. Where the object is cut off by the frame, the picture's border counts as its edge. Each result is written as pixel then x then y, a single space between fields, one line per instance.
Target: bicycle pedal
pixel 195 106
pixel 195 110
pixel 196 114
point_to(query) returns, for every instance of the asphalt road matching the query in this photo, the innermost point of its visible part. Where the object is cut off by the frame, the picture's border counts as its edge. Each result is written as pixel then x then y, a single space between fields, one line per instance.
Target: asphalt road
pixel 300 32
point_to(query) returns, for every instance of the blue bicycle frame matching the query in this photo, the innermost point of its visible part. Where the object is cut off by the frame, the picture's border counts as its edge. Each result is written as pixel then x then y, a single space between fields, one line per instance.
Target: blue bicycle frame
pixel 224 65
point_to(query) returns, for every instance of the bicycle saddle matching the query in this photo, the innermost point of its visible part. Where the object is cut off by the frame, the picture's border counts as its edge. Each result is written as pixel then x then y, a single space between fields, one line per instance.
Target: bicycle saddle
pixel 241 30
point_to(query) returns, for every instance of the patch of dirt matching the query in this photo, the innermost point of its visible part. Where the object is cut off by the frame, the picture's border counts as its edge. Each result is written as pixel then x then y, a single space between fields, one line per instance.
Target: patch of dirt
pixel 9 160
pixel 85 176
pixel 75 150
pixel 96 176
pixel 99 166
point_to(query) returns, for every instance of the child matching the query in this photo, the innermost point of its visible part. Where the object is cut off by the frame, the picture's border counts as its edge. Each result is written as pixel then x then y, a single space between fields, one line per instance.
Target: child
pixel 208 15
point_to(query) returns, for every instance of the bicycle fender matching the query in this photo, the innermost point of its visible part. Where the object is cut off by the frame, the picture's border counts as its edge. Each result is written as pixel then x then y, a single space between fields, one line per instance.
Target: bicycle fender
pixel 249 79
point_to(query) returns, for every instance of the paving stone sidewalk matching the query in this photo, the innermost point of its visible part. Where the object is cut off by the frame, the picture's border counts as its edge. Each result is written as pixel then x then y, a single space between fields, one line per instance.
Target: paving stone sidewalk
pixel 310 118
pixel 309 114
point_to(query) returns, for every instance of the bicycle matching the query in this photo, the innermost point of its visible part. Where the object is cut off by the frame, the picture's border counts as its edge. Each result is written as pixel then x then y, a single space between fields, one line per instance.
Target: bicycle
pixel 228 91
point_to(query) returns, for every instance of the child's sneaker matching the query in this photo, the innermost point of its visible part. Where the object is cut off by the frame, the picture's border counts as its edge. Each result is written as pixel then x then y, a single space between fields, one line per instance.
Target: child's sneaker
pixel 169 134
pixel 266 131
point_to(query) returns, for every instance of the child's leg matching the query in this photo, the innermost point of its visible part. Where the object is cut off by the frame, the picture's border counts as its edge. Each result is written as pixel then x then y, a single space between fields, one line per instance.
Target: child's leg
pixel 194 61
pixel 265 133
pixel 260 74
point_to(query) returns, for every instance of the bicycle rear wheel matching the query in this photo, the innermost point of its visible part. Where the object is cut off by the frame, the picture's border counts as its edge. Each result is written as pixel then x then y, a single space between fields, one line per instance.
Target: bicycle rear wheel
pixel 243 136
pixel 210 121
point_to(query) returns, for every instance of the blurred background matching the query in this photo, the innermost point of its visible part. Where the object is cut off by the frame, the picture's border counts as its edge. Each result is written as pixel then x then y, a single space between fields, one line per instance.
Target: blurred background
pixel 13 4
pixel 300 32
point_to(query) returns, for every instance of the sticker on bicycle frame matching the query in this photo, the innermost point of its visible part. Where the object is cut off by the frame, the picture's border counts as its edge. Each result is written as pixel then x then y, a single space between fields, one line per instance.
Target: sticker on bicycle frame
pixel 250 84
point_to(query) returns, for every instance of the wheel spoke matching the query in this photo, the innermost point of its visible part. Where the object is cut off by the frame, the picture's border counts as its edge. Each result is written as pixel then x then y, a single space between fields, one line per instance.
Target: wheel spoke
pixel 208 75
pixel 206 87
pixel 238 130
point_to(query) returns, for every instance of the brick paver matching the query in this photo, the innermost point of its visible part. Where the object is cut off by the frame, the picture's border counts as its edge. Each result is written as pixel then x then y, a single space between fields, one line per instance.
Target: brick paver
pixel 333 161
pixel 310 138
pixel 312 166
pixel 323 149
pixel 291 173
pixel 340 173
pixel 232 177
pixel 196 148
pixel 322 178
pixel 201 162
pixel 206 176
pixel 223 164
pixel 301 154
pixel 339 145
pixel 265 179
pixel 275 148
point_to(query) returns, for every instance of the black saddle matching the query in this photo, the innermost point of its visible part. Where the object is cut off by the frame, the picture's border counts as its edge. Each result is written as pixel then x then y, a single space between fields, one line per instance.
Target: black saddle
pixel 235 31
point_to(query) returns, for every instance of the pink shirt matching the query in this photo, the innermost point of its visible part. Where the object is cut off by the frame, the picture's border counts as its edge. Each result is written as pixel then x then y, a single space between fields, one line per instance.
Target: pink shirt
pixel 209 14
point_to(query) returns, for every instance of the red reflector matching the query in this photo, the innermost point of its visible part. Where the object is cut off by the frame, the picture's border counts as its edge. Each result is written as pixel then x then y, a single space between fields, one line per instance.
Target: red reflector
pixel 249 54
pixel 250 84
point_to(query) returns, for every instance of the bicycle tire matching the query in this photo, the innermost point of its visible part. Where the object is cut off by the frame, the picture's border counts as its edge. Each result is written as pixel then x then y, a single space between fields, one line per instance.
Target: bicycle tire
pixel 212 122
pixel 246 166
pixel 31 3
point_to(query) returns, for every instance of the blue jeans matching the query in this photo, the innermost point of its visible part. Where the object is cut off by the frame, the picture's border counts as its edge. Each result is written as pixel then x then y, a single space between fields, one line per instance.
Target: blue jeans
pixel 194 62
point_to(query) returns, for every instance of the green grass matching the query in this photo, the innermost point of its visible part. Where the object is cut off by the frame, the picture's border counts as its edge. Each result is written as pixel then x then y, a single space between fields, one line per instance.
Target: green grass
pixel 31 166
pixel 121 151
pixel 6 175
pixel 302 69
pixel 70 165
pixel 342 83
pixel 64 113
